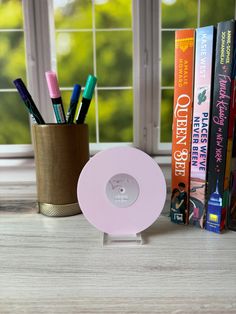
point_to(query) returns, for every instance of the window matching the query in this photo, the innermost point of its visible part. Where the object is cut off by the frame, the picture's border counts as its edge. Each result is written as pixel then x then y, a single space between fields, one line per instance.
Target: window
pixel 96 37
pixel 98 41
pixel 128 45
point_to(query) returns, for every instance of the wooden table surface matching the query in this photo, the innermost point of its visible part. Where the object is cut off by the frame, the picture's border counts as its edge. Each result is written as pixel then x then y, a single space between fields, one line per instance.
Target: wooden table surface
pixel 58 265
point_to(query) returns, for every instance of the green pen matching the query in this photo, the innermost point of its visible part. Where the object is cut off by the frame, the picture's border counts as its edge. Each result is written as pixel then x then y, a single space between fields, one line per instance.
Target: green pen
pixel 86 99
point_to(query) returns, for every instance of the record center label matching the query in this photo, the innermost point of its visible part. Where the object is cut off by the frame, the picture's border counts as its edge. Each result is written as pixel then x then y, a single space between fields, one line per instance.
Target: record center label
pixel 122 190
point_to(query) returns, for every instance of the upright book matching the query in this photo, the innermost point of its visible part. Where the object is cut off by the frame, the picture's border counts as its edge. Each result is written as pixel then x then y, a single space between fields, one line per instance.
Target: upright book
pixel 229 199
pixel 219 125
pixel 181 128
pixel 204 48
pixel 230 153
pixel 231 210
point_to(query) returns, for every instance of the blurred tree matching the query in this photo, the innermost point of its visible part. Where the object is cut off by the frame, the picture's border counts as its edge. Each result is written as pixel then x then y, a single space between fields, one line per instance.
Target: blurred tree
pixel 14 119
pixel 113 52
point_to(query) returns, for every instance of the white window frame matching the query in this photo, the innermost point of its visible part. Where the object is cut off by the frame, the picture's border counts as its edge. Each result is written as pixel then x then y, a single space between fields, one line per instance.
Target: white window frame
pixel 39 23
pixel 147 77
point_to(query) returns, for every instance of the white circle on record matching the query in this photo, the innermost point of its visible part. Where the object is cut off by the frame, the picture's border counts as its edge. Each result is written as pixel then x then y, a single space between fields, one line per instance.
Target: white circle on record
pixel 121 191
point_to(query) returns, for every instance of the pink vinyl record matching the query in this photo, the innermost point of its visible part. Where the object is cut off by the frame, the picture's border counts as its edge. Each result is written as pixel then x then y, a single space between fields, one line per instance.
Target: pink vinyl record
pixel 121 191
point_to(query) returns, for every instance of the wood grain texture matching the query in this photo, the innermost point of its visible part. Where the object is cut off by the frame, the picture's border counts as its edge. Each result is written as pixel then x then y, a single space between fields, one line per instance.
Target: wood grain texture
pixel 58 265
pixel 17 191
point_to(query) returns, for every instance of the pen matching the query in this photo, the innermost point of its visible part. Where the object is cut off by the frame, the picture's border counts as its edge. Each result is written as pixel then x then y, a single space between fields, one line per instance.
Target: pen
pixel 26 97
pixel 55 95
pixel 86 99
pixel 73 103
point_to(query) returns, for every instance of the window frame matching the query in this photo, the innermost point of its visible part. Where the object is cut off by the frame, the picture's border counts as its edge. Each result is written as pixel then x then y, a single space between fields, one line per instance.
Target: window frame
pixel 147 77
pixel 39 25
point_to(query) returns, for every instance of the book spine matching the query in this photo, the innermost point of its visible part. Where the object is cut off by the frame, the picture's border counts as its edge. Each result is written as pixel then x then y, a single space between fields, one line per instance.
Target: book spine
pixel 181 127
pixel 231 211
pixel 230 154
pixel 219 125
pixel 200 124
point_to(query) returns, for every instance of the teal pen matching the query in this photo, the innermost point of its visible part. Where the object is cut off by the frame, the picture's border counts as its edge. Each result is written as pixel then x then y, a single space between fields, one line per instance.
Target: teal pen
pixel 86 99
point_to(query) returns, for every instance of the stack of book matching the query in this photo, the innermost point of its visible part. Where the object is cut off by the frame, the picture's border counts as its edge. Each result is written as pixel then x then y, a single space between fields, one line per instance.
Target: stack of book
pixel 203 130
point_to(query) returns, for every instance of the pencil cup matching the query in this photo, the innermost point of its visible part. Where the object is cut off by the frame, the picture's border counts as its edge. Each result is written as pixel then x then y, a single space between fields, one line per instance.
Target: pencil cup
pixel 61 151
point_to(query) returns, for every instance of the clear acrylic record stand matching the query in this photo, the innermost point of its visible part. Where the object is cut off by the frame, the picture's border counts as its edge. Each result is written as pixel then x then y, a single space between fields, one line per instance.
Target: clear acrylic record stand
pixel 121 240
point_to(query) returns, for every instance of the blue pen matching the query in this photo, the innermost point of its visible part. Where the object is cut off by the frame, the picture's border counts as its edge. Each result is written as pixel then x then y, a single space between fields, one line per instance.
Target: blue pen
pixel 73 104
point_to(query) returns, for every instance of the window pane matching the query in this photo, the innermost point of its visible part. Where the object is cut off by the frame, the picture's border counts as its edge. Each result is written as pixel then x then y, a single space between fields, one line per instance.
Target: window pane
pixel 14 120
pixel 12 60
pixel 167 56
pixel 223 10
pixel 114 58
pixel 179 13
pixel 166 115
pixel 105 53
pixel 74 58
pixel 90 118
pixel 116 115
pixel 113 13
pixel 73 13
pixel 11 14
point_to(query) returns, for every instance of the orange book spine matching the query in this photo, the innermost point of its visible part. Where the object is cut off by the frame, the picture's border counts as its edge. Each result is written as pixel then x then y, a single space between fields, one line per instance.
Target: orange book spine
pixel 182 124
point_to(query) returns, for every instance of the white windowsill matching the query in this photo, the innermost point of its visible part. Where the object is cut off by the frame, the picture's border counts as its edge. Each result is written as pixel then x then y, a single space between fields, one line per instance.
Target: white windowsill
pixel 18 179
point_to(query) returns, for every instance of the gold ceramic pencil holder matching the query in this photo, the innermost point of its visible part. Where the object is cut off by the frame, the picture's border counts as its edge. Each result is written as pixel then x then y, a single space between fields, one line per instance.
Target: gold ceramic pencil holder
pixel 61 151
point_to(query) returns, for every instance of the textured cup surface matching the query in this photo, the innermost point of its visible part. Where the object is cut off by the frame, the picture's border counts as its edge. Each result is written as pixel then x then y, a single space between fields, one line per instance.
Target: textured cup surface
pixel 61 151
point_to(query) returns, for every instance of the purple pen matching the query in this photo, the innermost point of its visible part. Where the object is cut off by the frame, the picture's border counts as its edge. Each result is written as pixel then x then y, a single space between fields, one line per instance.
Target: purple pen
pixel 26 97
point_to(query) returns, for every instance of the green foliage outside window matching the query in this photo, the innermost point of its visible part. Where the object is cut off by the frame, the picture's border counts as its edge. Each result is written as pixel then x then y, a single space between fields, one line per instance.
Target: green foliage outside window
pixel 113 56
pixel 75 60
pixel 14 120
